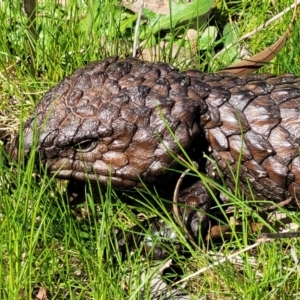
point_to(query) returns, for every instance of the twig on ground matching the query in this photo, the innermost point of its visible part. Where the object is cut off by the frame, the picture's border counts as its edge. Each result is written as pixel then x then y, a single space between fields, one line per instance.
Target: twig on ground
pixel 266 237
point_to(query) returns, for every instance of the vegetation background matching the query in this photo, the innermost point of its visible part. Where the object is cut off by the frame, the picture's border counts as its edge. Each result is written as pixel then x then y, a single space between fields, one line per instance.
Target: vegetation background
pixel 49 251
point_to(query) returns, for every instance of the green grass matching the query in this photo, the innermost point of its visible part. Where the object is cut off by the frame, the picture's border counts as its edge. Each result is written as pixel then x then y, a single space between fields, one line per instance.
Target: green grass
pixel 73 253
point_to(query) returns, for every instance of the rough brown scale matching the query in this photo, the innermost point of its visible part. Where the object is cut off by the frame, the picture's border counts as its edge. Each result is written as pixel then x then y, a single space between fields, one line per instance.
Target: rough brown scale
pixel 108 120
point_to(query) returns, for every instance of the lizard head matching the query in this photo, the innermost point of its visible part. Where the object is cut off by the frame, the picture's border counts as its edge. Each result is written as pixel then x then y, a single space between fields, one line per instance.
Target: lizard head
pixel 114 120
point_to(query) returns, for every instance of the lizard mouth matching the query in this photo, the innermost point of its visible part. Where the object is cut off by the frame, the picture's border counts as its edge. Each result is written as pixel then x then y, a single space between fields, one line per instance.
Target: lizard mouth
pixel 109 168
pixel 116 181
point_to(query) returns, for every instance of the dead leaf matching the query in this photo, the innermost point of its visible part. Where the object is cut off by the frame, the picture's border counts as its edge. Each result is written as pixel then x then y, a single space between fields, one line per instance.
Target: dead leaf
pixel 191 35
pixel 157 6
pixel 41 294
pixel 218 231
pixel 161 52
pixel 250 65
pixel 160 289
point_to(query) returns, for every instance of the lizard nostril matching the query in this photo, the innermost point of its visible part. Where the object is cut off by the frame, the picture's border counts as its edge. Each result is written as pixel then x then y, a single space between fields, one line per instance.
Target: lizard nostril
pixel 85 146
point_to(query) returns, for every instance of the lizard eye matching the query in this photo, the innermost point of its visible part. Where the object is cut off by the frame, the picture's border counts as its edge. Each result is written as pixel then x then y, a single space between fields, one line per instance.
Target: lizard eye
pixel 85 146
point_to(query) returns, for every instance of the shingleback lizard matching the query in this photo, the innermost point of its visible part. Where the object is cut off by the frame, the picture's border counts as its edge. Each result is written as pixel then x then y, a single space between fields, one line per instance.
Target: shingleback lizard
pixel 111 120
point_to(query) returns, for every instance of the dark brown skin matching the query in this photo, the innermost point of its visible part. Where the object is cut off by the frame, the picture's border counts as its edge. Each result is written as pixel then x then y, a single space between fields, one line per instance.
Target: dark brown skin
pixel 108 121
